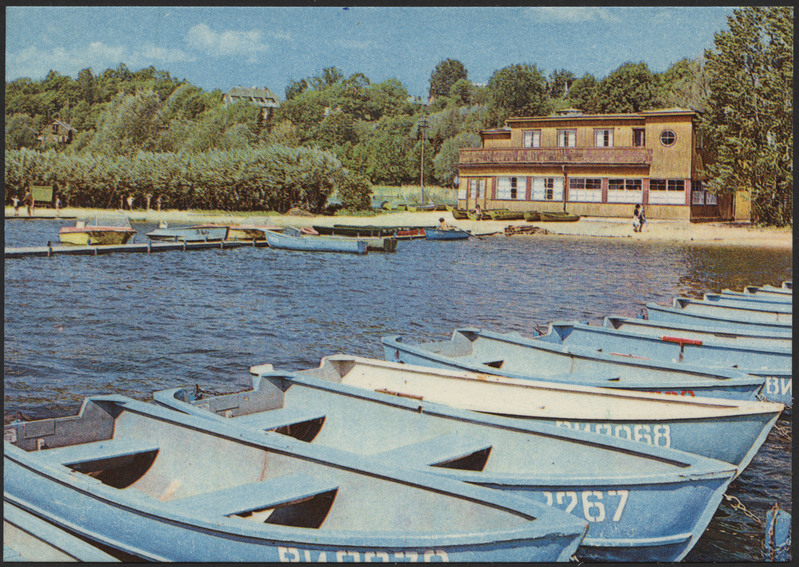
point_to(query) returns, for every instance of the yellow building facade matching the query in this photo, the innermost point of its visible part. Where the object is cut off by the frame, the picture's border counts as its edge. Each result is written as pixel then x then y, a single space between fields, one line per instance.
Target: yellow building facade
pixel 593 165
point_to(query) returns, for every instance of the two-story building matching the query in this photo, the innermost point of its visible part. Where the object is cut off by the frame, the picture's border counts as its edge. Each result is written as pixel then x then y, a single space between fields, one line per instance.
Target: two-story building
pixel 595 165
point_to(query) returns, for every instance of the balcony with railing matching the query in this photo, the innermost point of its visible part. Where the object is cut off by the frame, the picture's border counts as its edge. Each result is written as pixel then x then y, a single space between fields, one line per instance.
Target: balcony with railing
pixel 627 156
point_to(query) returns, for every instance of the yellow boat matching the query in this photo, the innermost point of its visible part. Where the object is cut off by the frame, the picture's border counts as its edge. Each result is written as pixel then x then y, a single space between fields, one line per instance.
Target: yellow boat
pixel 251 229
pixel 100 231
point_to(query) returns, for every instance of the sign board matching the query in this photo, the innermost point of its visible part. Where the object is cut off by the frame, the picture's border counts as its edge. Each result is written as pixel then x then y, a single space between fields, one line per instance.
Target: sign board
pixel 42 193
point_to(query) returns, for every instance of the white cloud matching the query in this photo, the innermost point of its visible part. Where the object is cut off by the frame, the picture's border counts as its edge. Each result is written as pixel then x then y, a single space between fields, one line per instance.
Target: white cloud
pixel 226 43
pixel 573 14
pixel 35 62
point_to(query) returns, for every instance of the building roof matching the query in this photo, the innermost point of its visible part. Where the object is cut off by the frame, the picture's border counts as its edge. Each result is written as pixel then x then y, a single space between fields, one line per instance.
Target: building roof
pixel 61 123
pixel 586 117
pixel 260 96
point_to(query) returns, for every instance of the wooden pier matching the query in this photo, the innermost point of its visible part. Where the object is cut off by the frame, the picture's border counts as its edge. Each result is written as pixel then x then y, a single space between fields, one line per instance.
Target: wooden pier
pixel 148 248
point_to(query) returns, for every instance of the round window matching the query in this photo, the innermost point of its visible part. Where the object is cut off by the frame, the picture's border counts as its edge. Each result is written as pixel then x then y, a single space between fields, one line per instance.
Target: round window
pixel 667 138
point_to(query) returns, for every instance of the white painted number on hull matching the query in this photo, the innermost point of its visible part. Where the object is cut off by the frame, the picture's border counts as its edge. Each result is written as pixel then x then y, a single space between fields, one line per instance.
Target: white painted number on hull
pixel 657 435
pixel 294 555
pixel 594 504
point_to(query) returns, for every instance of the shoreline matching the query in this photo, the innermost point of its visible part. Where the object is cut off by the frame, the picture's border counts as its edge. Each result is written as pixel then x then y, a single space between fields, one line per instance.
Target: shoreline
pixel 656 231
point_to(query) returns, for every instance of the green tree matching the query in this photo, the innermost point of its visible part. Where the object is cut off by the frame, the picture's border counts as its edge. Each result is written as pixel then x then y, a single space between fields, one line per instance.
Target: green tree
pixel 630 88
pixel 559 83
pixel 517 90
pixel 685 85
pixel 20 132
pixel 749 122
pixel 446 73
pixel 445 163
pixel 582 94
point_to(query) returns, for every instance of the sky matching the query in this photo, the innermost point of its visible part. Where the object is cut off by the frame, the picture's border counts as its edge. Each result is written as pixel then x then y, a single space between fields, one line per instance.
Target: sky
pixel 218 48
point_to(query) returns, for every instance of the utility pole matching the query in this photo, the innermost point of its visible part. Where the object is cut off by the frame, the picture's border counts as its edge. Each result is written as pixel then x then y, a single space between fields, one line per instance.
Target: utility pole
pixel 422 127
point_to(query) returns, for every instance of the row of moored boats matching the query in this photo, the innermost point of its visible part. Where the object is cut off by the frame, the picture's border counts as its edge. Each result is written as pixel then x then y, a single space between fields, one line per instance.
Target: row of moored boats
pixel 483 447
pixel 338 238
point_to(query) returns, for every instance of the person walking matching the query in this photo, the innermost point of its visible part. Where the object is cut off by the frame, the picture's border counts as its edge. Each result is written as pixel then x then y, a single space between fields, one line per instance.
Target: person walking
pixel 28 200
pixel 637 219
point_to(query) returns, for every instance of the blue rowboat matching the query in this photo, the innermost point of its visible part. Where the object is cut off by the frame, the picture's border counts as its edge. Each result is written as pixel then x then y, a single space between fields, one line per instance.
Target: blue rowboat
pixel 28 538
pixel 449 234
pixel 781 297
pixel 642 503
pixel 688 424
pixel 754 301
pixel 788 284
pixel 195 233
pixel 744 313
pixel 159 485
pixel 756 339
pixel 512 355
pixel 717 321
pixel 772 364
pixel 785 289
pixel 293 239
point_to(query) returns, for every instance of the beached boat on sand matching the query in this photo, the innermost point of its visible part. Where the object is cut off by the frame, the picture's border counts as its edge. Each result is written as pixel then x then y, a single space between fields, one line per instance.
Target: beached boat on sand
pixel 155 484
pixel 510 354
pixel 643 503
pixel 679 422
pixel 98 231
pixel 558 216
pixel 295 239
pixel 194 233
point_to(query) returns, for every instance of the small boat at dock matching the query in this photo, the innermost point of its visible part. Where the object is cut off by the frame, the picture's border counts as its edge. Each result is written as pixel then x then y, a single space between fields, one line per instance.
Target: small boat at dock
pixel 510 354
pixel 194 233
pixel 375 237
pixel 448 234
pixel 295 239
pixel 781 297
pixel 679 422
pixel 99 231
pixel 656 501
pixel 251 229
pixel 155 484
pixel 726 321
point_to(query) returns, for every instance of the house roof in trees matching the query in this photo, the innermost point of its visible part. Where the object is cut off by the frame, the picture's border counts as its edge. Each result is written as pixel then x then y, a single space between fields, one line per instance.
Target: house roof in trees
pixel 60 124
pixel 262 96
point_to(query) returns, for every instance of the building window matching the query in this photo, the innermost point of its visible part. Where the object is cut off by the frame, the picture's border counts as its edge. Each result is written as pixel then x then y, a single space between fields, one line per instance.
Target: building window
pixel 639 137
pixel 510 188
pixel 625 191
pixel 603 138
pixel 587 190
pixel 481 188
pixel 567 138
pixel 668 137
pixel 531 138
pixel 547 189
pixel 477 189
pixel 667 191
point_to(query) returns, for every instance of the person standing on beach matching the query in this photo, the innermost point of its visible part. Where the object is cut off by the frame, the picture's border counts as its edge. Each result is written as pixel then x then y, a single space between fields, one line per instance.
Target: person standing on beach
pixel 28 200
pixel 15 200
pixel 57 206
pixel 478 212
pixel 637 219
pixel 642 219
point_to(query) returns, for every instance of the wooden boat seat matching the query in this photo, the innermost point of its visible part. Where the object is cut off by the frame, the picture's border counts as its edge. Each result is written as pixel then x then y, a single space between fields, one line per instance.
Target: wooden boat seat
pixel 276 418
pixel 442 450
pixel 99 451
pixel 255 495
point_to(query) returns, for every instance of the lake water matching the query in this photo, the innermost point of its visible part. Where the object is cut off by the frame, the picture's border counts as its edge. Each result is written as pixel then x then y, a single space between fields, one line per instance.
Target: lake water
pixel 134 323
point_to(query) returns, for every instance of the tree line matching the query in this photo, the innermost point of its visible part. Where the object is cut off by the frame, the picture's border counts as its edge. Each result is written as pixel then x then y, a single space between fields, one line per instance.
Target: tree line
pixel 376 131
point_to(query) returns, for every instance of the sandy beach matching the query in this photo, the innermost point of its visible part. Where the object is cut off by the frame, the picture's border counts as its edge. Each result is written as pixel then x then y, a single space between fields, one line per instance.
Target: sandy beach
pixel 709 233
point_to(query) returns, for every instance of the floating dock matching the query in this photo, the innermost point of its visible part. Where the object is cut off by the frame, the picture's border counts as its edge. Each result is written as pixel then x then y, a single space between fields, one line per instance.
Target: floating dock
pixel 148 248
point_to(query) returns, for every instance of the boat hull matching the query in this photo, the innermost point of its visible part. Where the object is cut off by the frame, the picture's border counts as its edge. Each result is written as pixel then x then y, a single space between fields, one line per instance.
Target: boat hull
pixel 199 233
pixel 742 313
pixel 516 357
pixel 558 217
pixel 618 486
pixel 450 234
pixel 770 364
pixel 660 314
pixel 316 243
pixel 95 236
pixel 172 503
pixel 662 421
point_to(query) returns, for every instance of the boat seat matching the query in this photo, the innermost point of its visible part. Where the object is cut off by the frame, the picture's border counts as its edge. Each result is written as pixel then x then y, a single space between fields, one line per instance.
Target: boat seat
pixel 441 449
pixel 97 451
pixel 255 495
pixel 281 417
